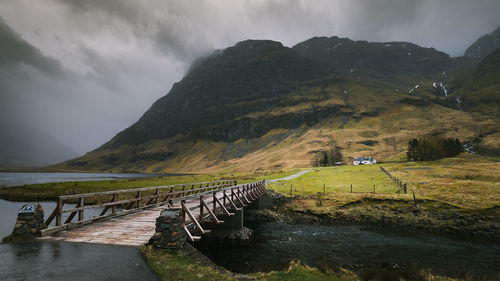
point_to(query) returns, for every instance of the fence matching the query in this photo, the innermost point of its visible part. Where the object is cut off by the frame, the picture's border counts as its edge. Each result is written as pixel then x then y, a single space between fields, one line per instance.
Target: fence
pixel 402 186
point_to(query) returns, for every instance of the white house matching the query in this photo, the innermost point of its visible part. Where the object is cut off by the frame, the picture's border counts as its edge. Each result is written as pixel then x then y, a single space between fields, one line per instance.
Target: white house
pixel 364 161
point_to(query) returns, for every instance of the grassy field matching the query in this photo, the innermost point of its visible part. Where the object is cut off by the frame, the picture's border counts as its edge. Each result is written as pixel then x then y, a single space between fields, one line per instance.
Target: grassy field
pixel 338 179
pixel 458 195
pixel 468 181
pixel 50 191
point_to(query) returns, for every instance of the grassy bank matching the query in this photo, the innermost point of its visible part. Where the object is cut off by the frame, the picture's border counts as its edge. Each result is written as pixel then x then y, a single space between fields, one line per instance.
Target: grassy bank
pixel 188 264
pixel 50 191
pixel 455 195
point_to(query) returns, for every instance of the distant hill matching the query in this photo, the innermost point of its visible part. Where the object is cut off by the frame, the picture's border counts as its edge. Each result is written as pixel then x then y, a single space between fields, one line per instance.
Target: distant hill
pixel 260 105
pixel 30 148
pixel 484 45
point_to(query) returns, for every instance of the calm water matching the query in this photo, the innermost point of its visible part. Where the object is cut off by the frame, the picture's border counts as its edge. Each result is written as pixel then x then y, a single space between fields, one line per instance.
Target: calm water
pixel 14 179
pixel 356 247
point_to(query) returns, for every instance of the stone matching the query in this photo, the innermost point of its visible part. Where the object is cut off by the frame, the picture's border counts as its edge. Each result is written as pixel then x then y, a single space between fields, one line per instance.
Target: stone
pixel 169 233
pixel 29 223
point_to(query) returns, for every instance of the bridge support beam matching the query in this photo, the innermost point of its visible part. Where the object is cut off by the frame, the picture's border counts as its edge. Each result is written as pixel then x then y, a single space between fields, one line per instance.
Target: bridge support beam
pixel 233 222
pixel 231 231
pixel 263 202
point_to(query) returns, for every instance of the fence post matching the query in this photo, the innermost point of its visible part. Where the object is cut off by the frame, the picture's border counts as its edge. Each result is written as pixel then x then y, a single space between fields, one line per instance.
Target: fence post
pixel 291 189
pixel 351 187
pixel 373 188
pixel 404 187
pixel 324 188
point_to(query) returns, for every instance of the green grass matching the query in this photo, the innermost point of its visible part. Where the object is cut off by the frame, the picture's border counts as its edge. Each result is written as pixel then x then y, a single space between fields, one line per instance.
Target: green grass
pixel 50 191
pixel 172 265
pixel 338 179
pixel 298 272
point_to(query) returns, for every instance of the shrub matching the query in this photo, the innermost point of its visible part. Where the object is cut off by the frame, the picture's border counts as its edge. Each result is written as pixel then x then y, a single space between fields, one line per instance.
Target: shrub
pixel 328 157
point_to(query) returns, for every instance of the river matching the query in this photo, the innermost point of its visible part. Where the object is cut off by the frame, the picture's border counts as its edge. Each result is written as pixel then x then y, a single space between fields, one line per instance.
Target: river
pixel 356 247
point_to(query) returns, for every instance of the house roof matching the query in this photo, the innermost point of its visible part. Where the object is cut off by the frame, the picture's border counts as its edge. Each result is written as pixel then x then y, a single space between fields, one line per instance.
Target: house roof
pixel 364 159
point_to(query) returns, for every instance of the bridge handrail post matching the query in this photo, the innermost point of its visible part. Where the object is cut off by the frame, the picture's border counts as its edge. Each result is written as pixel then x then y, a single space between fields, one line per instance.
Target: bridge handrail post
pixel 138 202
pixel 183 202
pixel 201 208
pixel 214 201
pixel 81 203
pixel 113 208
pixel 60 203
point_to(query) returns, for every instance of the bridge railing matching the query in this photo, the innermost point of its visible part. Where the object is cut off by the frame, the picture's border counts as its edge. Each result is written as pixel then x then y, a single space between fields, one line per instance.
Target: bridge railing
pixel 213 203
pixel 137 199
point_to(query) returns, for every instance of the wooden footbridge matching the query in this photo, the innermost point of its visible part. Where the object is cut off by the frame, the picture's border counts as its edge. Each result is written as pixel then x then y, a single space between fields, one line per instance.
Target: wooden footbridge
pixel 127 217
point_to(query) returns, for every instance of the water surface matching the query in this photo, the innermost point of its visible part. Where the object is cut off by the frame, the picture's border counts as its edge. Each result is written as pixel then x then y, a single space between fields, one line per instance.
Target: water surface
pixel 356 247
pixel 44 260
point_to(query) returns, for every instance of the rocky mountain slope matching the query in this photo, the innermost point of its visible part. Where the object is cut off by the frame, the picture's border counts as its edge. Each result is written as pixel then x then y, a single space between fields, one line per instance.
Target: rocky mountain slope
pixel 485 45
pixel 260 105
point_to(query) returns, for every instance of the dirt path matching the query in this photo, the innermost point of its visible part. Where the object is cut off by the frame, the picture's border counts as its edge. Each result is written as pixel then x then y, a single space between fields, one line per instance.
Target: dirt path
pixel 290 177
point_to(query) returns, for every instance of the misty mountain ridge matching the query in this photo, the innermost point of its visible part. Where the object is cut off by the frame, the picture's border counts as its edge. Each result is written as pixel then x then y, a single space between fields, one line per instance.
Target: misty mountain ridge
pixel 259 98
pixel 25 147
pixel 485 45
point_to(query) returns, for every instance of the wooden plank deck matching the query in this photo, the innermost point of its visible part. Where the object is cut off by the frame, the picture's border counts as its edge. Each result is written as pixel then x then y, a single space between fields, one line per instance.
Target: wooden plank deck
pixel 128 230
pixel 131 230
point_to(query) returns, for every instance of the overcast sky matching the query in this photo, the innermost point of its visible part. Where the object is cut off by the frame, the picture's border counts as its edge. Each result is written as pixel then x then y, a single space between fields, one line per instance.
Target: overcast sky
pixel 84 70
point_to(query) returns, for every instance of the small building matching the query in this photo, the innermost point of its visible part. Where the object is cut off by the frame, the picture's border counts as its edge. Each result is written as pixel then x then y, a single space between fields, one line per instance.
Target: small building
pixel 364 161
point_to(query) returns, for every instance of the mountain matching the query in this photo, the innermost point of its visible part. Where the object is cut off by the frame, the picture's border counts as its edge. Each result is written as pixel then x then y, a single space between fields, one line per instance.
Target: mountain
pixel 24 147
pixel 484 45
pixel 211 102
pixel 487 72
pixel 380 60
pixel 260 105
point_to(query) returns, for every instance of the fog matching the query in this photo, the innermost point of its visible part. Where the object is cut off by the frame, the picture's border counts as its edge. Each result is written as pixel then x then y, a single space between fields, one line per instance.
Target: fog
pixel 81 71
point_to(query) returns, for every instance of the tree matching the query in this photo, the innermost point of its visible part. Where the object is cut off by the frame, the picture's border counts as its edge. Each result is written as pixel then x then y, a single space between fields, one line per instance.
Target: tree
pixel 432 148
pixel 329 156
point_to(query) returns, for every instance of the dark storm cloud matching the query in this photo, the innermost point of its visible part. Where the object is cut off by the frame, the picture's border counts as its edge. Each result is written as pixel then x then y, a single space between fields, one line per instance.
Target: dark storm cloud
pixel 168 24
pixel 15 51
pixel 188 29
pixel 84 70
